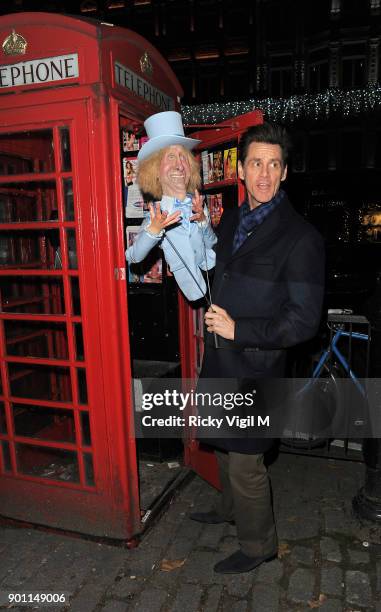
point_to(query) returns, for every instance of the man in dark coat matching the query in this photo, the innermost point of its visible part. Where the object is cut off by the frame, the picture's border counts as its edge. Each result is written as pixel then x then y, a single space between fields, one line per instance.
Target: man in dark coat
pixel 267 296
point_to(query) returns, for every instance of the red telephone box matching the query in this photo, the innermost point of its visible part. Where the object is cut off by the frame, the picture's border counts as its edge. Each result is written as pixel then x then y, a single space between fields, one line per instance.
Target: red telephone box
pixel 67 442
pixel 67 445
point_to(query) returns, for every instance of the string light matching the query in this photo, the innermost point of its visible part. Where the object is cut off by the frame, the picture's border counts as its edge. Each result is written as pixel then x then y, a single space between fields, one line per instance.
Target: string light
pixel 311 106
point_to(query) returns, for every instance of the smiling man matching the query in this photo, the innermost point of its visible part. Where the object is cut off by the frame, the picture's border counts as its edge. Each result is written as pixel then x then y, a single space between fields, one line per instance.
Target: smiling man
pixel 267 296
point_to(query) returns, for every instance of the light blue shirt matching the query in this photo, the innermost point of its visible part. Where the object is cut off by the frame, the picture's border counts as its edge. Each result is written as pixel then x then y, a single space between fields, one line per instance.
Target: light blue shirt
pixel 193 240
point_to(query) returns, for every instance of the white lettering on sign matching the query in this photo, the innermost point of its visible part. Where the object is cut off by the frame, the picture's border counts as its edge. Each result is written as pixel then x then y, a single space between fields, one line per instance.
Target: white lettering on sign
pixel 43 70
pixel 127 78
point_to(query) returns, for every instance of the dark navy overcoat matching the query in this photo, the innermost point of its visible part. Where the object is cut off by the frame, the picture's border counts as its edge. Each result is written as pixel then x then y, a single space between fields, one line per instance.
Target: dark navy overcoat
pixel 273 289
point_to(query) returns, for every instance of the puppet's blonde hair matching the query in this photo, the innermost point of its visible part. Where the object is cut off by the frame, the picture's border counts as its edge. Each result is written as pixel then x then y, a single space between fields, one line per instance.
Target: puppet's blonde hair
pixel 148 174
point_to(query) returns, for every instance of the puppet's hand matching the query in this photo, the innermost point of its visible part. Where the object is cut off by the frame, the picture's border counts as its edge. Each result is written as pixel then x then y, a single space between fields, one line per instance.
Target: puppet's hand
pixel 160 220
pixel 198 208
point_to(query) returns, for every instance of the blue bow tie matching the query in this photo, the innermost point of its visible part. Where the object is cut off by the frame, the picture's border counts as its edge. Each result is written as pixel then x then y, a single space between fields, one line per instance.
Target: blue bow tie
pixel 185 206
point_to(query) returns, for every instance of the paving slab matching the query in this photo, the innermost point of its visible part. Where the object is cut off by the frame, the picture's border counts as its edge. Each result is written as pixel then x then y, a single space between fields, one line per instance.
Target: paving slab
pixel 301 586
pixel 358 557
pixel 358 589
pixel 199 568
pixel 188 598
pixel 332 581
pixel 302 555
pixel 330 550
pixel 332 605
pixel 269 572
pixel 231 605
pixel 240 586
pixel 150 600
pixel 298 527
pixel 115 606
pixel 264 599
pixel 212 598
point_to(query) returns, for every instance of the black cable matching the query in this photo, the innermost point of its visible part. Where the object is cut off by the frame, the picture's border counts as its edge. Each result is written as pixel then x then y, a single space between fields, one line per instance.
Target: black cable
pixel 187 267
pixel 216 345
pixel 209 298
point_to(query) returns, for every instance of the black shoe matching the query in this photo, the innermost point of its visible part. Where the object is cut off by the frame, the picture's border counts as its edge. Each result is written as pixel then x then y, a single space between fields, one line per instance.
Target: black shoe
pixel 211 518
pixel 238 563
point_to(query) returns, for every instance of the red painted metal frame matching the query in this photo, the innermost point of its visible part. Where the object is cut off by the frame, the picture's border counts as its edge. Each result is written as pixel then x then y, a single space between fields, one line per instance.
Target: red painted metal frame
pixel 49 502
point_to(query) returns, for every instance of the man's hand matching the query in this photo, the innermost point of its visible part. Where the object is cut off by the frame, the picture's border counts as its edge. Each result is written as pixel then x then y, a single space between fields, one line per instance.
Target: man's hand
pixel 161 220
pixel 198 207
pixel 217 320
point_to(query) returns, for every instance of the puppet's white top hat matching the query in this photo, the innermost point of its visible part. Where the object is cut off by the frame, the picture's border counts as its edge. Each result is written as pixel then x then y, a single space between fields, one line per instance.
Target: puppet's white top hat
pixel 163 130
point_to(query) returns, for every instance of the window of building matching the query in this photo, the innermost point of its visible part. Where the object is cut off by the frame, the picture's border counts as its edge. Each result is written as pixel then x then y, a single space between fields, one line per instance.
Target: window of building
pixel 318 77
pixel 176 21
pixel 281 81
pixel 315 15
pixel 236 79
pixel 208 82
pixel 281 75
pixel 236 17
pixel 351 150
pixel 354 73
pixel 298 153
pixel 335 7
pixel 88 6
pixel 145 22
pixel 318 152
pixel 184 72
pixel 354 6
pixel 115 4
pixel 377 156
pixel 281 19
pixel 206 18
pixel 356 11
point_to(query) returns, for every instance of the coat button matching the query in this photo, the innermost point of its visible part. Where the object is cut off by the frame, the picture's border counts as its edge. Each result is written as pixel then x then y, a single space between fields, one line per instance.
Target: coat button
pixel 225 275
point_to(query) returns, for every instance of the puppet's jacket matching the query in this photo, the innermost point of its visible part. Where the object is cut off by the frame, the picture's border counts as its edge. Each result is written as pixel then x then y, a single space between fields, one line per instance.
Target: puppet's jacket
pixel 192 240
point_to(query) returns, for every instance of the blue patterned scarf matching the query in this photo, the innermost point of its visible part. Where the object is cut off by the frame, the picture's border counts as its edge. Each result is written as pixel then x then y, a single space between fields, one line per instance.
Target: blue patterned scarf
pixel 250 219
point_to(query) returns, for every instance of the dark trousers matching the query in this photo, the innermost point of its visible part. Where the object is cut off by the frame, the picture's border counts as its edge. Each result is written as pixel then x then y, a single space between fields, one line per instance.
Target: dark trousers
pixel 246 499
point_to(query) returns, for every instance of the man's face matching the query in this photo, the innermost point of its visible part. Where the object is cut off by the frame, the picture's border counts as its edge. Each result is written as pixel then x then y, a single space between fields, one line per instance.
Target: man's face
pixel 262 172
pixel 174 171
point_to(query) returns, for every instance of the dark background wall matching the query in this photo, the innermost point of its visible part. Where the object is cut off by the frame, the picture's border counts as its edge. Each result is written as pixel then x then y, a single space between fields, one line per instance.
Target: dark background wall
pixel 325 52
pixel 227 50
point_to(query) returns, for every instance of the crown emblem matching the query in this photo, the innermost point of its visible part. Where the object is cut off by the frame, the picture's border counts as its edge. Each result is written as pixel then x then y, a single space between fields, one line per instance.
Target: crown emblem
pixel 145 64
pixel 14 44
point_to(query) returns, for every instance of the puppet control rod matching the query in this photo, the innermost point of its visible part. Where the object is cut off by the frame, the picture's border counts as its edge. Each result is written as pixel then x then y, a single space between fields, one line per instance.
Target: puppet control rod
pixel 208 297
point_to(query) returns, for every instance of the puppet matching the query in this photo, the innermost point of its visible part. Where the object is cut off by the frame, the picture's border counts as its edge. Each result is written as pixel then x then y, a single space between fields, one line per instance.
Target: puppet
pixel 179 223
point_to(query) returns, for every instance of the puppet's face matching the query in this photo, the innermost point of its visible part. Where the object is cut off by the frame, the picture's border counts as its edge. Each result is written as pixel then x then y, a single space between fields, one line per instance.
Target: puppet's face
pixel 175 171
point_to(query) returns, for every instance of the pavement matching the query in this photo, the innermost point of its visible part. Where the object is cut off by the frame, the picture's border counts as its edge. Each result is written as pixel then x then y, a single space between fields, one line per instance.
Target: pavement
pixel 327 560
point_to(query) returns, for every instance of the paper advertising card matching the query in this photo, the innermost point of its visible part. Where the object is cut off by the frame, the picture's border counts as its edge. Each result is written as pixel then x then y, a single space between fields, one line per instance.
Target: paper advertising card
pixel 132 232
pixel 214 203
pixel 205 167
pixel 230 163
pixel 218 165
pixel 155 273
pixel 132 195
pixel 130 142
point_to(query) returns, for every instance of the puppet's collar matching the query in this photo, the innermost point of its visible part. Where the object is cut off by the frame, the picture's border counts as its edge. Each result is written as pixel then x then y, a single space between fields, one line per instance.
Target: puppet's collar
pixel 170 203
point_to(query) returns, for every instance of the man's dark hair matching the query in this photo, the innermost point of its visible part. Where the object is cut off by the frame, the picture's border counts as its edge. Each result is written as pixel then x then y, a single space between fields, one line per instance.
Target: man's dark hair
pixel 269 133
